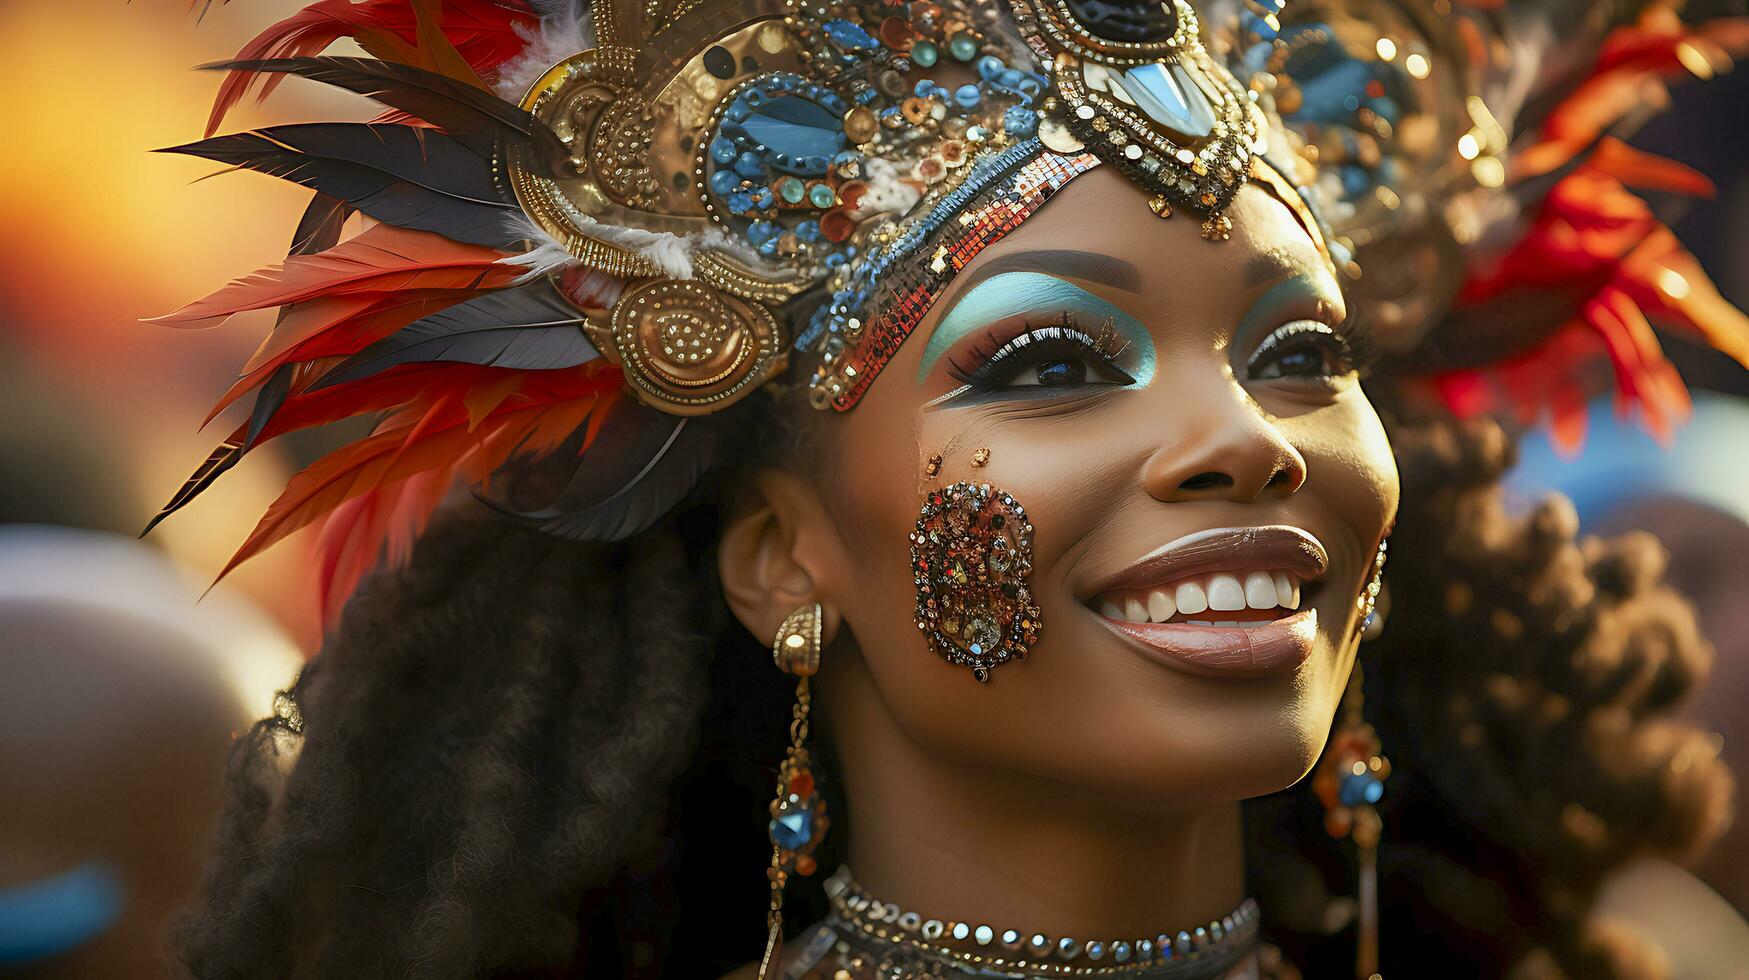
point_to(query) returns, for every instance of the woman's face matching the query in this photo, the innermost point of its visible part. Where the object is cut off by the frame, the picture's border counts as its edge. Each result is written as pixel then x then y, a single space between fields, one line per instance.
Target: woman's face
pixel 1182 423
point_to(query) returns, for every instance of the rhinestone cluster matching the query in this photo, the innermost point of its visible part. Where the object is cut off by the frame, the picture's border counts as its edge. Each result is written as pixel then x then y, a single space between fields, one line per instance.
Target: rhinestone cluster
pixel 1037 952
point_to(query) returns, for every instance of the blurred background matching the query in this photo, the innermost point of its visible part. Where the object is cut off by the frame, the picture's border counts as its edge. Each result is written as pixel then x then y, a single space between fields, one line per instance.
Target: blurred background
pixel 120 693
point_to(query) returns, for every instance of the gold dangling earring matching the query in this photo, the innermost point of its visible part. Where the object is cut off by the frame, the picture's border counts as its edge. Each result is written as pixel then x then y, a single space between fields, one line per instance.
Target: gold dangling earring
pixel 1350 781
pixel 798 814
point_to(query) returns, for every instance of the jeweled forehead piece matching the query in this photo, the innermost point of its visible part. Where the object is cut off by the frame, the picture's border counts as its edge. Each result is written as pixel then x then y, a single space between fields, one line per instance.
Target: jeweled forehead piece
pixel 1133 85
pixel 725 159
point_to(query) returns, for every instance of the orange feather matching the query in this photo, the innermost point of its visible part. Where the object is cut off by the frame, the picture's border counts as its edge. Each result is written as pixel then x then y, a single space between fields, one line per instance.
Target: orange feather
pixel 545 410
pixel 382 259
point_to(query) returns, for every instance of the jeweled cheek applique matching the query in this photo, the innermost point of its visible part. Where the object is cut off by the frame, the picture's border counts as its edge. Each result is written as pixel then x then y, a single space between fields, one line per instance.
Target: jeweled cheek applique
pixel 970 557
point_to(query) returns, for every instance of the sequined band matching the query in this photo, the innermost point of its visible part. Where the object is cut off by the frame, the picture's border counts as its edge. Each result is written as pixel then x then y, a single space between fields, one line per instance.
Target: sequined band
pixel 995 210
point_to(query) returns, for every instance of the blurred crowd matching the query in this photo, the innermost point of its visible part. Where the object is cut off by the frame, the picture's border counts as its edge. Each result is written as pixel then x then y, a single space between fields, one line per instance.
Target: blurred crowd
pixel 121 687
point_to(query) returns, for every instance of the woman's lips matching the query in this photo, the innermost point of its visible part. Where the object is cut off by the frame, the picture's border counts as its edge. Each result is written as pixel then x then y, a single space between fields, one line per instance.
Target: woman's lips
pixel 1275 632
pixel 1225 651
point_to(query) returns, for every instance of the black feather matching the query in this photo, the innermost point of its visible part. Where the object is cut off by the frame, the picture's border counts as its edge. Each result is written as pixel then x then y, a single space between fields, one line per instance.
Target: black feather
pixel 319 229
pixel 272 395
pixel 642 463
pixel 527 327
pixel 401 175
pixel 455 107
pixel 215 465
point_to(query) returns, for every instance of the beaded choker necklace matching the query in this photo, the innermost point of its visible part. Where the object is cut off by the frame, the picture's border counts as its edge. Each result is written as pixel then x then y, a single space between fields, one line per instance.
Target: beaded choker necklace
pixel 873 938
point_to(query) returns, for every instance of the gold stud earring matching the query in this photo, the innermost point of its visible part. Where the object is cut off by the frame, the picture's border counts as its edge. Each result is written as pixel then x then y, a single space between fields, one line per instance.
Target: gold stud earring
pixel 798 814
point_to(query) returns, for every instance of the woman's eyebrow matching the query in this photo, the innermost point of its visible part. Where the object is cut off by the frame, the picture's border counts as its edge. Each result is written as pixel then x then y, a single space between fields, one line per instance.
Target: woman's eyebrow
pixel 1275 265
pixel 1094 267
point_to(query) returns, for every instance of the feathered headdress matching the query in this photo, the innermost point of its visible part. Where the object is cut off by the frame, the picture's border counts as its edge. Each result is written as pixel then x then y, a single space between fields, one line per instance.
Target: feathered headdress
pixel 590 232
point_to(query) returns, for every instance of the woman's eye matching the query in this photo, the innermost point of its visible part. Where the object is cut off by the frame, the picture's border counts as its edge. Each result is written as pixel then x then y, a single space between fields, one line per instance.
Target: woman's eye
pixel 1046 357
pixel 1057 373
pixel 1304 349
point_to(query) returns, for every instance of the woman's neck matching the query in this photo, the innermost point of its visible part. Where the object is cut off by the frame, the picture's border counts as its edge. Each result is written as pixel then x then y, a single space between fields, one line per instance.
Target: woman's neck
pixel 952 841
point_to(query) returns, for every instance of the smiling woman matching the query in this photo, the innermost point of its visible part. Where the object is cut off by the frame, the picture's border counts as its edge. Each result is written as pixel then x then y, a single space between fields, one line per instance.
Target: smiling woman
pixel 989 367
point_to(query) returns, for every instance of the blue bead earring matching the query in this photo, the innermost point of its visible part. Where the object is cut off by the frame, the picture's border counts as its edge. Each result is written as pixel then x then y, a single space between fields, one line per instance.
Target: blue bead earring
pixel 798 813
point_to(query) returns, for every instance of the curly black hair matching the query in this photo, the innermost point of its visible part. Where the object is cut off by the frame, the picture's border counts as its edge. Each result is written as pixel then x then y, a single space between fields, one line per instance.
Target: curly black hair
pixel 520 756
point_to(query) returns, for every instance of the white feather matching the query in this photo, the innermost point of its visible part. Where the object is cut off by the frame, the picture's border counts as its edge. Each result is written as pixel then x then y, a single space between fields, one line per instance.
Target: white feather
pixel 564 30
pixel 667 251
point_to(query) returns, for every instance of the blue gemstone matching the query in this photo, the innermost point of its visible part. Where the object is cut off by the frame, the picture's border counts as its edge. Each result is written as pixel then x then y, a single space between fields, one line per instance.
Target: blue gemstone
pixel 989 66
pixel 724 181
pixel 968 96
pixel 1356 790
pixel 924 54
pixel 1020 122
pixel 749 165
pixel 723 150
pixel 763 198
pixel 834 260
pixel 740 202
pixel 1095 950
pixel 849 36
pixel 792 829
pixel 799 134
pixel 809 231
pixel 760 232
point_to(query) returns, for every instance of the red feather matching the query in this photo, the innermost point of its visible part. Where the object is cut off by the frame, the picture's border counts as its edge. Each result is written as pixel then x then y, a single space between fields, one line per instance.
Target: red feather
pixel 545 409
pixel 1596 245
pixel 381 260
pixel 484 33
pixel 332 329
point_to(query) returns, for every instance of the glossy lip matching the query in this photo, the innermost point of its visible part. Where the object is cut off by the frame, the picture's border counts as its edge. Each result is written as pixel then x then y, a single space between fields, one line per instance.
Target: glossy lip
pixel 1223 651
pixel 1226 549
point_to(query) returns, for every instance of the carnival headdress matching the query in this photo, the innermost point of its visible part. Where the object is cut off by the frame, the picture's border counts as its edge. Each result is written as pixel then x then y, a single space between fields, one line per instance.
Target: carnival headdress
pixel 591 232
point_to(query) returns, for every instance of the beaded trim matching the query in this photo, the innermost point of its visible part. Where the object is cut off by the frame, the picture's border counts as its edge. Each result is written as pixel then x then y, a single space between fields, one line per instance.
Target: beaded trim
pixel 999 195
pixel 859 919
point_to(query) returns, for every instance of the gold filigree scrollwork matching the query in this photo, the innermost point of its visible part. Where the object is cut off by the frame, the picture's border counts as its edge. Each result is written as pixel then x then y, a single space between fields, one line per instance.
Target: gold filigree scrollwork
pixel 619 149
pixel 688 349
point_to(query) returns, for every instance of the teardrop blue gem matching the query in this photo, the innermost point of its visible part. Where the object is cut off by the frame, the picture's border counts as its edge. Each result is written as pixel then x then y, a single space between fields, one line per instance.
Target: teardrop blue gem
pixel 803 132
pixel 792 829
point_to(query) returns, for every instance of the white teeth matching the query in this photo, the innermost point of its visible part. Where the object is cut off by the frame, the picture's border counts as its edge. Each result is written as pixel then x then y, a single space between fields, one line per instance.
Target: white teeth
pixel 1191 599
pixel 1225 593
pixel 1260 591
pixel 1221 591
pixel 1286 590
pixel 1160 606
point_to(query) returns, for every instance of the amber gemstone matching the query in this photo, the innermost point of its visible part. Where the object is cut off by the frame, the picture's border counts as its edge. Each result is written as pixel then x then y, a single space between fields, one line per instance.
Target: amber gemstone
pixel 805 865
pixel 801 783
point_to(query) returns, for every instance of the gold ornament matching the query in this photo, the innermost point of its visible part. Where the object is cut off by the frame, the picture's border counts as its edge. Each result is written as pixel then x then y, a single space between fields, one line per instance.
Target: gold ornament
pixel 689 349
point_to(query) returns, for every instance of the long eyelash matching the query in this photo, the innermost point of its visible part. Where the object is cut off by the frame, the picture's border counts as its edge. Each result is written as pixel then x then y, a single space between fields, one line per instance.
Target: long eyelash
pixel 1363 346
pixel 1354 336
pixel 1105 342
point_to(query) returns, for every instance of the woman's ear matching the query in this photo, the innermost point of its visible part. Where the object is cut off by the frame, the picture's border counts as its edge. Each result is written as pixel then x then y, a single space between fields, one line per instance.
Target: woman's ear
pixel 780 551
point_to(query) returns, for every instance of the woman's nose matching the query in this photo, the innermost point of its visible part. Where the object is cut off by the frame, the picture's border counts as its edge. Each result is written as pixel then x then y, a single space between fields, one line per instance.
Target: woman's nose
pixel 1223 447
